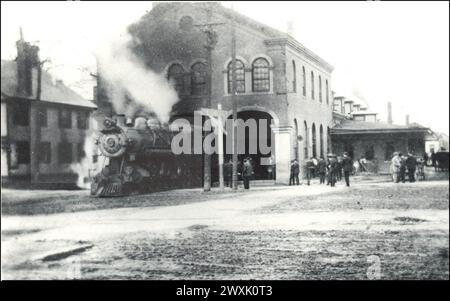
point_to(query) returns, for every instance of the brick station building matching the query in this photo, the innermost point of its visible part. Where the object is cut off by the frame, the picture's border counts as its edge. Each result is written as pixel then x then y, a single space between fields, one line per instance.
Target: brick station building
pixel 278 78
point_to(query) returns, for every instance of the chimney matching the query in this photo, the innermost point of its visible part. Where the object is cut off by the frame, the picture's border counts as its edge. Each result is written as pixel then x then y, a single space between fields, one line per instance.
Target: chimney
pixel 407 120
pixel 290 28
pixel 389 118
pixel 27 59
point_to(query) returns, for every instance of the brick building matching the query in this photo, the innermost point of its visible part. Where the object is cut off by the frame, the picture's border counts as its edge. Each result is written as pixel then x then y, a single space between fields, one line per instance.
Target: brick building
pixel 278 79
pixel 43 124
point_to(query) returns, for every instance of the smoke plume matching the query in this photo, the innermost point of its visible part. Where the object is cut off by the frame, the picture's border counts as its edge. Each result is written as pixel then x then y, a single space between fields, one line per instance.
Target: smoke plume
pixel 132 85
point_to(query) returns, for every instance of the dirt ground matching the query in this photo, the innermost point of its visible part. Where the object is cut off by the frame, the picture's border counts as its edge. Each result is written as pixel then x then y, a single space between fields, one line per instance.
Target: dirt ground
pixel 367 231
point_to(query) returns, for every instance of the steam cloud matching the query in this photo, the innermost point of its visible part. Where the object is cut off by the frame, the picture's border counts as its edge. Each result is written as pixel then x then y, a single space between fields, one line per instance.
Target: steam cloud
pixel 85 166
pixel 132 85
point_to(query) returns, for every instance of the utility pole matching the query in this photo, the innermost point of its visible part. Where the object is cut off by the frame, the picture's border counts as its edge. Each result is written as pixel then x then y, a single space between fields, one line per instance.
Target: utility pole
pixel 211 41
pixel 234 102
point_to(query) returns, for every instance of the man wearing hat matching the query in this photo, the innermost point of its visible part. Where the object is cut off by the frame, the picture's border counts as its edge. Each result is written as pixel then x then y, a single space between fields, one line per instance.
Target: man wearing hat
pixel 395 167
pixel 411 164
pixel 347 165
pixel 332 169
pixel 247 172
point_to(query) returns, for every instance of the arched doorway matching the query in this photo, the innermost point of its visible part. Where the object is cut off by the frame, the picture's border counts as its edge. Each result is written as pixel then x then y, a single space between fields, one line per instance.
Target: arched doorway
pixel 252 145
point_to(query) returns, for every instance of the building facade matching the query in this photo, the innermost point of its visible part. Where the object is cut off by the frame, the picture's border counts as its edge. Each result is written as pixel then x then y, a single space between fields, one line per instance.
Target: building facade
pixel 358 131
pixel 44 124
pixel 277 78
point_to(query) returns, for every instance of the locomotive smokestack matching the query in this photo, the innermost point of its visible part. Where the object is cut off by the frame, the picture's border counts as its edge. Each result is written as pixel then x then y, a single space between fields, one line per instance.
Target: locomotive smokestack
pixel 120 118
pixel 389 118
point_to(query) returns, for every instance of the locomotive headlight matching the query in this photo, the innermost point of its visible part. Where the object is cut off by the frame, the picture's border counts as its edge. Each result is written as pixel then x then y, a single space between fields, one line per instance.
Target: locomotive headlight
pixel 113 144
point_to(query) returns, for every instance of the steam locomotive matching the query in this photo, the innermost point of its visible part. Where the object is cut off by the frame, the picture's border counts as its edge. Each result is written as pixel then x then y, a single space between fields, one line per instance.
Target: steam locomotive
pixel 136 157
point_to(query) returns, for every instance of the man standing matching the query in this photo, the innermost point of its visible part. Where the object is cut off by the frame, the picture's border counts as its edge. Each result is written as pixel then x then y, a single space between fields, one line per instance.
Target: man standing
pixel 411 164
pixel 271 168
pixel 402 167
pixel 309 169
pixel 347 165
pixel 228 172
pixel 339 167
pixel 332 169
pixel 247 173
pixel 295 170
pixel 322 168
pixel 395 167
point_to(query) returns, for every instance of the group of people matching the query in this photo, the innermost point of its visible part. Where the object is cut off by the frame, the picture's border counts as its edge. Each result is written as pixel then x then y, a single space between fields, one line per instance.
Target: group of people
pixel 403 165
pixel 245 169
pixel 330 169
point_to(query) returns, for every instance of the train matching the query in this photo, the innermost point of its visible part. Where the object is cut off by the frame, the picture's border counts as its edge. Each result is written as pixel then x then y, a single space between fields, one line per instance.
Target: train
pixel 135 157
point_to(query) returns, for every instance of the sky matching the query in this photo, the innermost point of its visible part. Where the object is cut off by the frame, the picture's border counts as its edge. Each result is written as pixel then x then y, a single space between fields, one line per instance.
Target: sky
pixel 384 51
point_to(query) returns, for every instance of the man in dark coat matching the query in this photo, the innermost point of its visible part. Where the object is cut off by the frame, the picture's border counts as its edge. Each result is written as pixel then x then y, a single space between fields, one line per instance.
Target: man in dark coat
pixel 228 172
pixel 309 169
pixel 332 169
pixel 247 172
pixel 295 170
pixel 411 164
pixel 402 168
pixel 347 166
pixel 322 168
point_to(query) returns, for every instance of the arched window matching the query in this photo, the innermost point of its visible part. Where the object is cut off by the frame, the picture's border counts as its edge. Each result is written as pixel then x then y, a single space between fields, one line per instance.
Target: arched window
pixel 327 91
pixel 321 141
pixel 296 140
pixel 314 141
pixel 328 140
pixel 240 77
pixel 294 78
pixel 306 140
pixel 320 88
pixel 312 85
pixel 198 79
pixel 260 75
pixel 175 74
pixel 304 81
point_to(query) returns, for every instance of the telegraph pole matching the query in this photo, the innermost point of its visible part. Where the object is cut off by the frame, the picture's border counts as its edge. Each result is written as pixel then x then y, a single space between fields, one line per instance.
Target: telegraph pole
pixel 211 41
pixel 234 101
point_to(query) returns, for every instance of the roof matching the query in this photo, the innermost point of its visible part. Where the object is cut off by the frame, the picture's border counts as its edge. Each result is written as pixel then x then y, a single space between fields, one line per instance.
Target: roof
pixel 365 127
pixel 274 36
pixel 52 92
pixel 363 112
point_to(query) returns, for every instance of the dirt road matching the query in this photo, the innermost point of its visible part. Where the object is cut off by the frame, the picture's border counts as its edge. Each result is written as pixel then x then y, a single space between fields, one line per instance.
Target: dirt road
pixel 375 231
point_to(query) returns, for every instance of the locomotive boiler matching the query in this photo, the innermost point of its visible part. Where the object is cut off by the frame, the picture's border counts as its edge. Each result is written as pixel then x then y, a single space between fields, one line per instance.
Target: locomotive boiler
pixel 136 157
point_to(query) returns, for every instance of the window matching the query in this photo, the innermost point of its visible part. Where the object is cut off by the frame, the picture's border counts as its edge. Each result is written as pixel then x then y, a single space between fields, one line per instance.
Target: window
pixel 42 116
pixel 312 85
pixel 314 144
pixel 327 91
pixel 45 152
pixel 65 119
pixel 240 77
pixel 23 152
pixel 65 152
pixel 306 140
pixel 80 152
pixel 390 149
pixel 294 78
pixel 198 79
pixel 260 75
pixel 321 141
pixel 21 114
pixel 320 88
pixel 82 120
pixel 175 74
pixel 304 81
pixel 370 152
